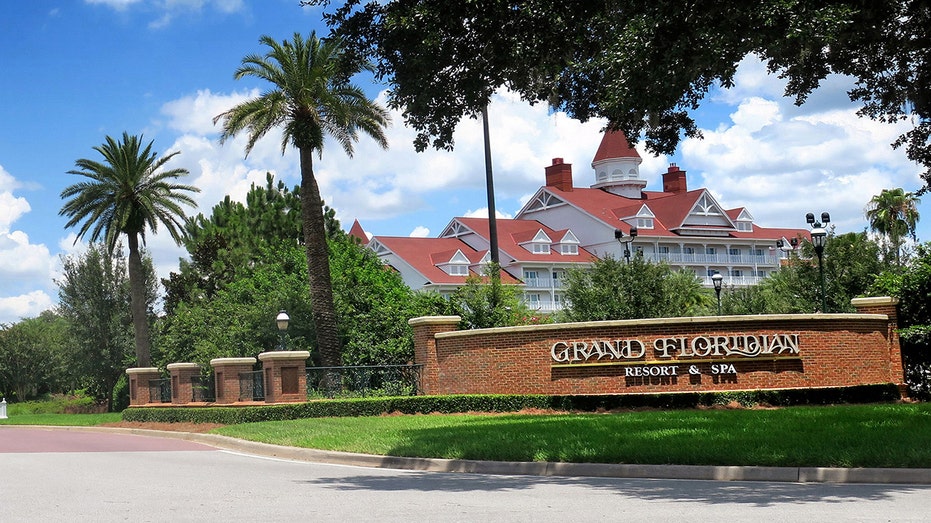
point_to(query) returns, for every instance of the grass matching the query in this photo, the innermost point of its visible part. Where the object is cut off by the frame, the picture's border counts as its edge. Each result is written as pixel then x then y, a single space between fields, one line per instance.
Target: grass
pixel 844 436
pixel 879 435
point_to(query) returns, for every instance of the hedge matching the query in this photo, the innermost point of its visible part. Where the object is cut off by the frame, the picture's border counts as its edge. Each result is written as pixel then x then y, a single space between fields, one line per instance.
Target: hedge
pixel 230 415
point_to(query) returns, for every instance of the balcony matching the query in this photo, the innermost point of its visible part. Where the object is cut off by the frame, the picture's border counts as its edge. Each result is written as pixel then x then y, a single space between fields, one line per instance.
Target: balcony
pixel 679 258
pixel 733 281
pixel 543 283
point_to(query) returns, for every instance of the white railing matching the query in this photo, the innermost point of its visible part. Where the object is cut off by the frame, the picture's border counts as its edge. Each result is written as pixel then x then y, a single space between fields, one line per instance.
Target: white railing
pixel 543 283
pixel 678 258
pixel 733 281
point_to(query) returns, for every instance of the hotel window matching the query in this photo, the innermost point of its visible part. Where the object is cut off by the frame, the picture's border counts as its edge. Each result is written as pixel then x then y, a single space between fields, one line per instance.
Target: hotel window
pixel 663 249
pixel 530 275
pixel 734 252
pixel 645 223
pixel 570 249
pixel 711 250
pixel 737 272
pixel 745 226
pixel 541 248
pixel 688 250
pixel 458 269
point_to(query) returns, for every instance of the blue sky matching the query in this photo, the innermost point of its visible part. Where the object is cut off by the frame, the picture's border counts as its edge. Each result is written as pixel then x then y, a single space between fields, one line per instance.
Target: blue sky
pixel 76 71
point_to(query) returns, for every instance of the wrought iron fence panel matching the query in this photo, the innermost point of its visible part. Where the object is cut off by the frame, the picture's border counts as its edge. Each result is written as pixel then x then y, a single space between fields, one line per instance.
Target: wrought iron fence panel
pixel 203 389
pixel 363 381
pixel 251 386
pixel 160 390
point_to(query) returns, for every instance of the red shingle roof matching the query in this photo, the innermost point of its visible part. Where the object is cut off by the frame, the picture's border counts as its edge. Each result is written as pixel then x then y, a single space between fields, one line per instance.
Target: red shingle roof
pixel 614 144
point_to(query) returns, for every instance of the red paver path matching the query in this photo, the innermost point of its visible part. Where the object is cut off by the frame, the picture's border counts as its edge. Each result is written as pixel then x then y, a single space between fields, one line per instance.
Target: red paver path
pixel 19 440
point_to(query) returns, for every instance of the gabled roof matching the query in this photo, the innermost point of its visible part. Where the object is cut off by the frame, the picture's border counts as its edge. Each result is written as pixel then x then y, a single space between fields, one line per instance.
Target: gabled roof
pixel 670 211
pixel 614 144
pixel 423 255
pixel 358 232
pixel 512 234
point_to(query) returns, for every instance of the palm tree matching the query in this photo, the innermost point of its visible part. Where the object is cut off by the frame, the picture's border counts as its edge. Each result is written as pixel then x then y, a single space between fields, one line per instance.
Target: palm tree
pixel 128 194
pixel 893 213
pixel 311 98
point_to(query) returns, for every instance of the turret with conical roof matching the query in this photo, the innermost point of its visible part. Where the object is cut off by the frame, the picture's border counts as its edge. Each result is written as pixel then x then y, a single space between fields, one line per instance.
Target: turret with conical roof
pixel 617 166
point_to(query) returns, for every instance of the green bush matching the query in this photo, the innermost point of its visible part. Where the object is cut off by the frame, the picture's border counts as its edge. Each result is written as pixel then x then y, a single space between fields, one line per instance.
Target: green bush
pixel 506 403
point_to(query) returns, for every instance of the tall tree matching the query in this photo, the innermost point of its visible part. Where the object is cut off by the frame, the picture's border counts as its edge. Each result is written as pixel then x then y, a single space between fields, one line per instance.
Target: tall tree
pixel 311 98
pixel 128 193
pixel 893 213
pixel 94 295
pixel 643 65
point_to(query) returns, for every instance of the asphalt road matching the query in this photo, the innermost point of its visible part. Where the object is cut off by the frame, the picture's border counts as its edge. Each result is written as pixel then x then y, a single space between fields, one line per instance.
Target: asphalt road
pixel 54 475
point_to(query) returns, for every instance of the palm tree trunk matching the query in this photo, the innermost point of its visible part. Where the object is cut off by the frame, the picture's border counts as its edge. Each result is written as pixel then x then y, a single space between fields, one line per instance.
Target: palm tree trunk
pixel 137 303
pixel 318 265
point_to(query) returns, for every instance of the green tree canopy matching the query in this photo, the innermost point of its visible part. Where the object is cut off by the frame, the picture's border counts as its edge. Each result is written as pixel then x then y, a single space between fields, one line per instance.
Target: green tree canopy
pixel 310 98
pixel 129 194
pixel 893 213
pixel 642 65
pixel 32 357
pixel 615 290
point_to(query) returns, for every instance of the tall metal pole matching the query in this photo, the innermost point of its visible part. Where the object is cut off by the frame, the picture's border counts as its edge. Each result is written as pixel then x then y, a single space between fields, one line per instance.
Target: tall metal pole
pixel 824 303
pixel 490 189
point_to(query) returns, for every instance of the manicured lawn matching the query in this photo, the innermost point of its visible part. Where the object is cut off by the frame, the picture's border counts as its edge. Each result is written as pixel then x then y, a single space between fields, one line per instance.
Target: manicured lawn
pixel 845 436
pixel 72 420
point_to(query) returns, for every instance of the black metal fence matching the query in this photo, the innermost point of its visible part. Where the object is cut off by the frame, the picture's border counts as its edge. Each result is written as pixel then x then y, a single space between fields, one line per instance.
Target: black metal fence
pixel 251 386
pixel 362 381
pixel 160 390
pixel 203 389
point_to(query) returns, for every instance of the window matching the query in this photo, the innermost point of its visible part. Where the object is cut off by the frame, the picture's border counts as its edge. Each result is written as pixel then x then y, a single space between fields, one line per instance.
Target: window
pixel 644 223
pixel 745 226
pixel 733 252
pixel 712 272
pixel 570 249
pixel 688 250
pixel 758 252
pixel 663 249
pixel 458 269
pixel 530 275
pixel 541 248
pixel 711 250
pixel 737 272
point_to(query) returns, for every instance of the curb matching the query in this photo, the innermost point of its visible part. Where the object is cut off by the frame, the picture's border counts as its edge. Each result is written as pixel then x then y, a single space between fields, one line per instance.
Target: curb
pixel 536 468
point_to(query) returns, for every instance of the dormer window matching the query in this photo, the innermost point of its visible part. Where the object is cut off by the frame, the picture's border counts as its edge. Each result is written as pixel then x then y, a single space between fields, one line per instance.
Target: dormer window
pixel 457 269
pixel 541 248
pixel 644 223
pixel 570 249
pixel 540 244
pixel 745 226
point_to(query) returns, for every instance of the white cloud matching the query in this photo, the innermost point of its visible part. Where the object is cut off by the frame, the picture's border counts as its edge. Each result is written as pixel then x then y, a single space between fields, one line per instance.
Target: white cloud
pixel 15 308
pixel 483 213
pixel 119 5
pixel 781 161
pixel 420 232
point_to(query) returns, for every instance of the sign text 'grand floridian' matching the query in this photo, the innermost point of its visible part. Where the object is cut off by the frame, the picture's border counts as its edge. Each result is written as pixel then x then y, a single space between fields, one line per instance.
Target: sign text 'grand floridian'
pixel 679 348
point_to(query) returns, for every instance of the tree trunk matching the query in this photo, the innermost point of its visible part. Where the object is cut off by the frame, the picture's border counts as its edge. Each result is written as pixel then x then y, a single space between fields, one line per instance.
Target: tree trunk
pixel 137 303
pixel 318 265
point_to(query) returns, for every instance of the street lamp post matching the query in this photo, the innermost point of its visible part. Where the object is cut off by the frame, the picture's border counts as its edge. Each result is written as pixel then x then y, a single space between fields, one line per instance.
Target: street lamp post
pixel 818 237
pixel 717 279
pixel 282 321
pixel 625 240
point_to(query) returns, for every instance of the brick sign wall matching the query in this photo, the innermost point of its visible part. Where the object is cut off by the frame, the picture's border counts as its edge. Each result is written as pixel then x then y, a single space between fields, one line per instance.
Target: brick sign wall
pixel 663 355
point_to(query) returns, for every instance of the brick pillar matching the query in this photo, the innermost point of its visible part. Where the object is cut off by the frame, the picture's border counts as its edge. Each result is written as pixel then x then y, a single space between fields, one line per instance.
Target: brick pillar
pixel 139 378
pixel 285 376
pixel 889 307
pixel 226 373
pixel 182 390
pixel 425 330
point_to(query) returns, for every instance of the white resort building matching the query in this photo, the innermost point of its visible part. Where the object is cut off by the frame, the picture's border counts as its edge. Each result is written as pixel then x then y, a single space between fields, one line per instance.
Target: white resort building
pixel 565 226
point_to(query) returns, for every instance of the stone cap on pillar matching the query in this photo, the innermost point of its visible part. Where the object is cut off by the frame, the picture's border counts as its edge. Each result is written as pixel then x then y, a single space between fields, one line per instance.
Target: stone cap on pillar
pixel 232 361
pixel 183 366
pixel 877 301
pixel 143 370
pixel 434 320
pixel 284 355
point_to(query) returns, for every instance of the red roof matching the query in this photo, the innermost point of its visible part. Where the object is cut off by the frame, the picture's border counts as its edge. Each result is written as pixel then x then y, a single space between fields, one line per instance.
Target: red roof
pixel 513 233
pixel 424 253
pixel 359 232
pixel 614 144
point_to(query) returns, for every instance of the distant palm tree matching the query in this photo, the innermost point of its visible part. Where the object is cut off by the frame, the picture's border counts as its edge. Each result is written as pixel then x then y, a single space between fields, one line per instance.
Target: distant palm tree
pixel 127 194
pixel 893 213
pixel 310 99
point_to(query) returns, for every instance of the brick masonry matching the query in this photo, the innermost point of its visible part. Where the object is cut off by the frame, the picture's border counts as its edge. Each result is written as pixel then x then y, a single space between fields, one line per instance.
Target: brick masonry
pixel 833 350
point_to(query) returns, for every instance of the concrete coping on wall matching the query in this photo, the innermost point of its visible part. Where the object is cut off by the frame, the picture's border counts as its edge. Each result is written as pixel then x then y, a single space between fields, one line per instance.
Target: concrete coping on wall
pixel 143 370
pixel 232 361
pixel 767 318
pixel 284 355
pixel 183 366
pixel 433 320
pixel 874 301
